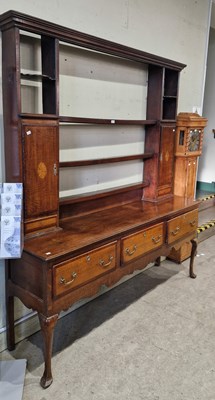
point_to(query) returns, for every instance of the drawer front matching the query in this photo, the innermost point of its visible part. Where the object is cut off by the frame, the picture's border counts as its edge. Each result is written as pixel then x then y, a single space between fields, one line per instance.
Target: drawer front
pixel 182 225
pixel 138 244
pixel 79 270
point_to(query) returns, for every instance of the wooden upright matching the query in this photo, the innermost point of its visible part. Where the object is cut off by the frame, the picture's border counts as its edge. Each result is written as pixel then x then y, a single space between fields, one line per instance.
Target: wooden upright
pixel 75 243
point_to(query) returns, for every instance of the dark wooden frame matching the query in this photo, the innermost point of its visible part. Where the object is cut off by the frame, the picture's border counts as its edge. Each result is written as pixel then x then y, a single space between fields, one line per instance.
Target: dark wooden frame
pixel 86 225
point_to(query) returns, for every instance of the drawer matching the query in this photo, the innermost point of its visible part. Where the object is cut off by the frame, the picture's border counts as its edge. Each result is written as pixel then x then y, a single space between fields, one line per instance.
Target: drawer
pixel 138 244
pixel 79 270
pixel 182 226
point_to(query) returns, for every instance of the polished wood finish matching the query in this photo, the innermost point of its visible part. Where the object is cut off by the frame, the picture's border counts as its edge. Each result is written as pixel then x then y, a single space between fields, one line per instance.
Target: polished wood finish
pixel 76 244
pixel 166 161
pixel 40 168
pixel 40 175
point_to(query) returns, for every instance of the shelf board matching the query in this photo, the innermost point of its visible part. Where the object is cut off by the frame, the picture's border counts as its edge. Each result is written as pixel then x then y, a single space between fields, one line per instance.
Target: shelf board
pixel 80 163
pixel 36 77
pixel 38 116
pixel 77 120
pixel 168 120
pixel 81 120
pixel 101 193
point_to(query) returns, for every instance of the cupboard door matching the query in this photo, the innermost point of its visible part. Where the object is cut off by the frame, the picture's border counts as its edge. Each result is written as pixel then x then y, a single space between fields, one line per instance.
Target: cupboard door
pixel 166 162
pixel 191 177
pixel 185 176
pixel 41 162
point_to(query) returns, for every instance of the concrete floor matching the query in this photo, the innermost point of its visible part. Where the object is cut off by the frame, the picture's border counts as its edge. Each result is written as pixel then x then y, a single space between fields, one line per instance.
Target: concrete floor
pixel 151 338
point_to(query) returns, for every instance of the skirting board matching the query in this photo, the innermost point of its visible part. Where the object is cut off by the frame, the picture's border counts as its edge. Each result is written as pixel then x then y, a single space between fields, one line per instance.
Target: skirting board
pixel 23 328
pixel 206 186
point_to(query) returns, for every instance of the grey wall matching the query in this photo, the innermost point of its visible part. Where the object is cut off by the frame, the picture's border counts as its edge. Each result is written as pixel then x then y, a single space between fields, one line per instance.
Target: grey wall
pixel 206 170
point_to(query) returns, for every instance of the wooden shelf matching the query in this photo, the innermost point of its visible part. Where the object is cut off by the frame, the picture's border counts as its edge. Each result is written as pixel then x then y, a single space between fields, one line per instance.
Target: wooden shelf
pixel 38 116
pixel 81 120
pixel 102 193
pixel 36 77
pixel 68 164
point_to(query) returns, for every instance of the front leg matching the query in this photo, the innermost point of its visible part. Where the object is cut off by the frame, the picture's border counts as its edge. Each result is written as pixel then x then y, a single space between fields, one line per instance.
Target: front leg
pixel 9 300
pixel 10 322
pixel 47 326
pixel 194 243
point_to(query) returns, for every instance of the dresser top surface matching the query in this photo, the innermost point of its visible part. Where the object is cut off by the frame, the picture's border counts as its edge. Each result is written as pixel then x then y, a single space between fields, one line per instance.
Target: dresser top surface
pixel 78 234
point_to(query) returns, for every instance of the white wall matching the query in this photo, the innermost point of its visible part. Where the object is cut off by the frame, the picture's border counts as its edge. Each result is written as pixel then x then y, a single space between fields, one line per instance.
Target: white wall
pixel 206 171
pixel 173 29
pixel 213 15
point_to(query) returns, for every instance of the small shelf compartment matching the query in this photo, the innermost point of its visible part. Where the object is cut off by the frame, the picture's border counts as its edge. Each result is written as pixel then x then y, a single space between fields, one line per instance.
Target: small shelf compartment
pixel 170 83
pixel 170 94
pixel 38 60
pixel 169 108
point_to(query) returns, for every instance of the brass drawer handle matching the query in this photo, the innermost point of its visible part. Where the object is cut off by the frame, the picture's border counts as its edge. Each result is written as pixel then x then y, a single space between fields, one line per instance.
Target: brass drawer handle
pixel 193 223
pixel 130 252
pixel 175 232
pixel 156 240
pixel 102 263
pixel 64 282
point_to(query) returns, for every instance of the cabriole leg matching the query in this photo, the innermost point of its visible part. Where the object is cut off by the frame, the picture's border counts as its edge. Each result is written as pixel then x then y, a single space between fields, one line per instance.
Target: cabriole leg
pixel 47 326
pixel 194 243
